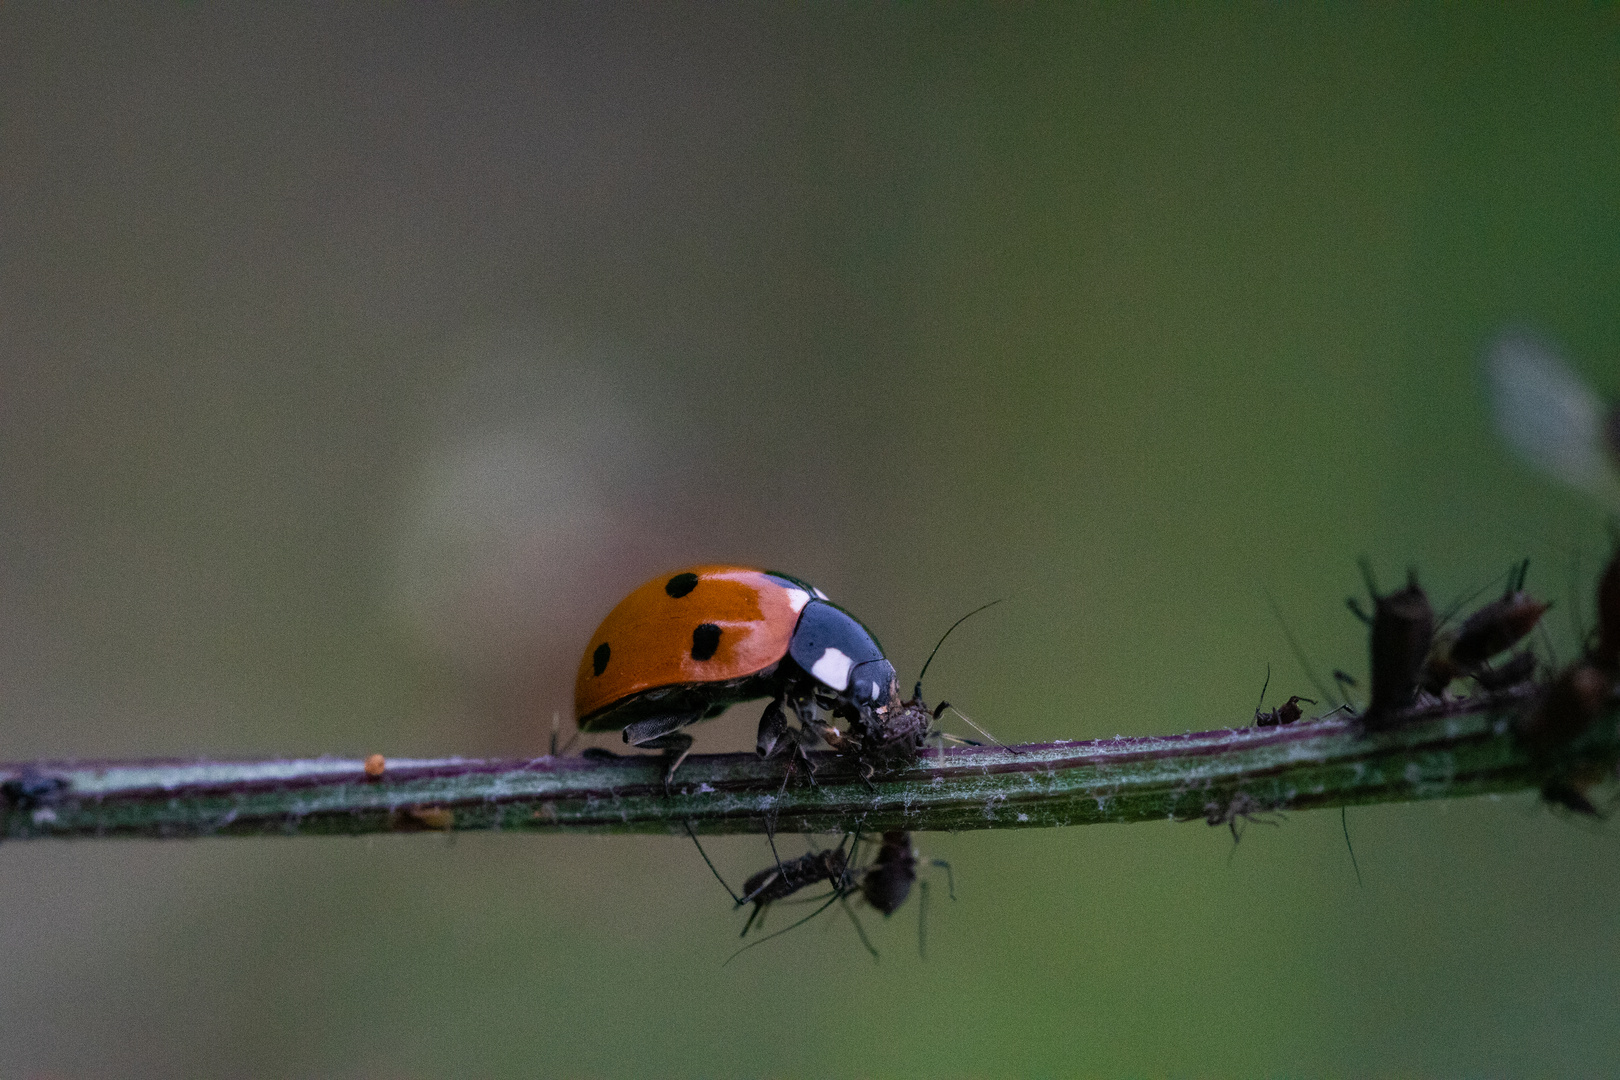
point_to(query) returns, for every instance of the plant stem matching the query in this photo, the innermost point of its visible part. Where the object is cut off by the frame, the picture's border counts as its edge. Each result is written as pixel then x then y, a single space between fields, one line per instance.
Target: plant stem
pixel 1464 747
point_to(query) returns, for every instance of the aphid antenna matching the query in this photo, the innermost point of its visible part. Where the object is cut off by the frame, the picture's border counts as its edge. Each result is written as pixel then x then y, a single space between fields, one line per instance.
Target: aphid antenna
pixel 1263 687
pixel 983 732
pixel 917 693
pixel 1354 603
pixel 831 900
pixel 1299 654
pixel 1577 619
pixel 1515 576
pixel 1552 650
pixel 689 832
pixel 1365 564
pixel 1344 823
pixel 1343 679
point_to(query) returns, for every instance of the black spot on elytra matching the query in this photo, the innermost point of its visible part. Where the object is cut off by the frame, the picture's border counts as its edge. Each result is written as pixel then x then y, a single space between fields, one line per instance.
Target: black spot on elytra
pixel 705 640
pixel 681 584
pixel 599 658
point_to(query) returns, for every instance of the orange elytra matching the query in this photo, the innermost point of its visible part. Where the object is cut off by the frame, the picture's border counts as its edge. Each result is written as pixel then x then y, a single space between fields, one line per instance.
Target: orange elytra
pixel 688 644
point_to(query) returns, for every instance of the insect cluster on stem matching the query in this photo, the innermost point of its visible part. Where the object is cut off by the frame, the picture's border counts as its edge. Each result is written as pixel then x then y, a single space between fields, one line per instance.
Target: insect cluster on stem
pixel 1410 656
pixel 1412 660
pixel 884 884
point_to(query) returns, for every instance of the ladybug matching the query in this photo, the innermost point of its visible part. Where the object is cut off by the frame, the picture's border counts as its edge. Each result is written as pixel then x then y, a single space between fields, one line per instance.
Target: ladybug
pixel 687 645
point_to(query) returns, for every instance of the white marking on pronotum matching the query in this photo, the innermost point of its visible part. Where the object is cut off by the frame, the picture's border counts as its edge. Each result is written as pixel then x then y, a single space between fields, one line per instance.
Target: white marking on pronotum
pixel 797 598
pixel 819 594
pixel 833 669
pixel 874 689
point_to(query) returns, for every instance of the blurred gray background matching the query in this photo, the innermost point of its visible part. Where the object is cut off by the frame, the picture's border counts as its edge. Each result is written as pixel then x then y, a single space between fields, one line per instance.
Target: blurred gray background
pixel 355 360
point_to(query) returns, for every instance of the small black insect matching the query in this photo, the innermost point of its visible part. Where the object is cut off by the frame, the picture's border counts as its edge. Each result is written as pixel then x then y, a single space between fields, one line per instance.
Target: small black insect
pixel 1286 713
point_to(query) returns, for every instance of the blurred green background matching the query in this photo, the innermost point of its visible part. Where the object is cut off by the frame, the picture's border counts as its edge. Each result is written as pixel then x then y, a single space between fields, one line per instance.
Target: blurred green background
pixel 357 359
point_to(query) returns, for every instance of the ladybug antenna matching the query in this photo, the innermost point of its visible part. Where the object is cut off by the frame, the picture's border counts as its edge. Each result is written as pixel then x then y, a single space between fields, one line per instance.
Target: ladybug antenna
pixel 917 693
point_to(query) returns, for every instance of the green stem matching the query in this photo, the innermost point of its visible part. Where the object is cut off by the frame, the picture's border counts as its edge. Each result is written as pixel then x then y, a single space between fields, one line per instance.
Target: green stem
pixel 1461 748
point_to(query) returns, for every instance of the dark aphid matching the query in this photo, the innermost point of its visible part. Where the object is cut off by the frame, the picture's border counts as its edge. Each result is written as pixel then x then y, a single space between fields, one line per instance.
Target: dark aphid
pixel 1499 625
pixel 1491 630
pixel 1402 629
pixel 888 881
pixel 1567 708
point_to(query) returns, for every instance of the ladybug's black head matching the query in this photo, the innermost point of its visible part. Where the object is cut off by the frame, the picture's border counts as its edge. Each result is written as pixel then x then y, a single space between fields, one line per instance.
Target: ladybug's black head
pixel 873 684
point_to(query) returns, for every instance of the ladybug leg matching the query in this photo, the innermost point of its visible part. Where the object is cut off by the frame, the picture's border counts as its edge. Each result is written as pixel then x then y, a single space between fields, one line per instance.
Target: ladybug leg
pixel 773 728
pixel 664 733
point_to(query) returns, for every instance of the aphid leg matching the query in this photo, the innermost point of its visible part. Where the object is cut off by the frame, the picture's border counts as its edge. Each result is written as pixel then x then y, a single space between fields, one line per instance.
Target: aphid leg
pixel 1298 650
pixel 712 870
pixel 922 921
pixel 770 838
pixel 1344 822
pixel 752 915
pixel 950 878
pixel 1345 679
pixel 843 898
